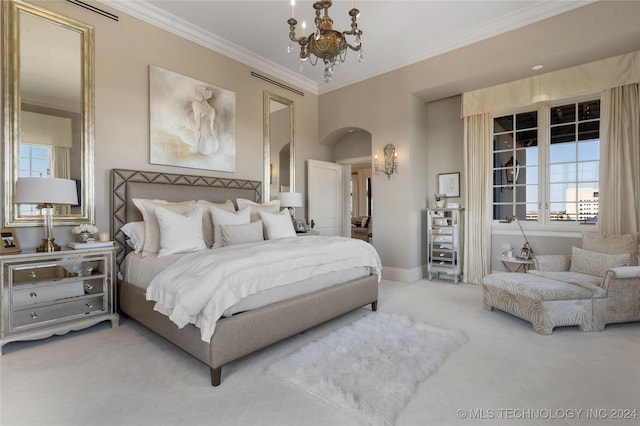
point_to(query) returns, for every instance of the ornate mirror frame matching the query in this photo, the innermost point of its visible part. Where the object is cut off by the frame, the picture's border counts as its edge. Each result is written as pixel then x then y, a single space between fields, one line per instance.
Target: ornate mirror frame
pixel 12 112
pixel 273 104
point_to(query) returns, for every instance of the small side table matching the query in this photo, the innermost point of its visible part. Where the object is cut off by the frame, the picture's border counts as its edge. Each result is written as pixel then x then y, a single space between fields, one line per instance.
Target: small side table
pixel 520 265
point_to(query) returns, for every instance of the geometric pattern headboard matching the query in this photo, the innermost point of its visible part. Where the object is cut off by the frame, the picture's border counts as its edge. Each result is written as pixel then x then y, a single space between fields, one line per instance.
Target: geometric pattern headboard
pixel 128 184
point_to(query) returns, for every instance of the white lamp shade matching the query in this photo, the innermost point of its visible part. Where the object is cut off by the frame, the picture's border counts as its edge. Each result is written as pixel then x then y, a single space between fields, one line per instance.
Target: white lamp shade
pixel 39 190
pixel 290 199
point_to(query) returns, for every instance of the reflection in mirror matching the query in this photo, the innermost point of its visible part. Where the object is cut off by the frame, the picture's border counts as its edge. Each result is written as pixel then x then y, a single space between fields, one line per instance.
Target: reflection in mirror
pixel 279 146
pixel 48 87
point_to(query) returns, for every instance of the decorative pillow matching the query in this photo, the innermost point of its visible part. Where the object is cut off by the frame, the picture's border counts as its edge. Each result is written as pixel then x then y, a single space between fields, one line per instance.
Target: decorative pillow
pixel 151 227
pixel 594 263
pixel 222 217
pixel 278 225
pixel 240 234
pixel 207 223
pixel 135 235
pixel 180 233
pixel 612 244
pixel 256 208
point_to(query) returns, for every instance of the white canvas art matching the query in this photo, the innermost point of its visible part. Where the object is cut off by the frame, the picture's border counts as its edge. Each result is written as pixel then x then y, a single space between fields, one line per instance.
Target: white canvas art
pixel 191 123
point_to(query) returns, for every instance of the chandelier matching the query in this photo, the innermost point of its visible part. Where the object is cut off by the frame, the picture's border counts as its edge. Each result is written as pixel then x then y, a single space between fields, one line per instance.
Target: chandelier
pixel 325 43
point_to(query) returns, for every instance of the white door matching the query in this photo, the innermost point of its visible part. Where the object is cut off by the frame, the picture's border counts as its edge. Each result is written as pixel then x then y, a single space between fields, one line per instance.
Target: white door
pixel 324 193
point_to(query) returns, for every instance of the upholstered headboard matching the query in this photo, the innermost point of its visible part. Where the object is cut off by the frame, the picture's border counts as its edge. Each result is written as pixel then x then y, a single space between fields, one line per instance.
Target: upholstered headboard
pixel 129 184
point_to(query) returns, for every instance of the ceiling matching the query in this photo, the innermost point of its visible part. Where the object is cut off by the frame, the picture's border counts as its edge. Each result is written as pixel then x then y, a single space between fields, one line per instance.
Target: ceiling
pixel 395 34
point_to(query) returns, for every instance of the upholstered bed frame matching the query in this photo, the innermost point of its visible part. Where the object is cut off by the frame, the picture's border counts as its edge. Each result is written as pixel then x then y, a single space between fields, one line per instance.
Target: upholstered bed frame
pixel 240 334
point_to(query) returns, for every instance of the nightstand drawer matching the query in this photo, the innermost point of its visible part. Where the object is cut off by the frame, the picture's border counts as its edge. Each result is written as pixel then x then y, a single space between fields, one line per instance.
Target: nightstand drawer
pixel 32 295
pixel 34 273
pixel 28 317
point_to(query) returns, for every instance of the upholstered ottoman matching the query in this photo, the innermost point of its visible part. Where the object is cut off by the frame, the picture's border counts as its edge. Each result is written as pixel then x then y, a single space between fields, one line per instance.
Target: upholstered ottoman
pixel 544 302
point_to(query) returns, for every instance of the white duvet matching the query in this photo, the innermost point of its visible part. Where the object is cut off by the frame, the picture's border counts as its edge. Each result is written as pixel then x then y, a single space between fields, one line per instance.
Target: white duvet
pixel 199 287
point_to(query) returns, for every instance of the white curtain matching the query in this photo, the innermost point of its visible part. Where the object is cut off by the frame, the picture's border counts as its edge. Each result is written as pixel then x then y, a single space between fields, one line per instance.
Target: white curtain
pixel 479 172
pixel 619 211
pixel 62 170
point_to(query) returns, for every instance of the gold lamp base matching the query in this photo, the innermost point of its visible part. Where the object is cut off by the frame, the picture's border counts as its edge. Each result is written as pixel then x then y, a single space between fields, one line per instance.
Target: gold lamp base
pixel 48 245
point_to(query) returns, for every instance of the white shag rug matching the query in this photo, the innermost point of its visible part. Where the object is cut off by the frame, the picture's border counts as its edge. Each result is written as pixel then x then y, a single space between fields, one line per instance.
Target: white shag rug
pixel 371 367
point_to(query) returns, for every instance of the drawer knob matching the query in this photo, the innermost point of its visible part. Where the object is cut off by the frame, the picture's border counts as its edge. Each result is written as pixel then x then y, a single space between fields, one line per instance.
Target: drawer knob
pixel 33 294
pixel 32 274
pixel 89 305
pixel 88 269
pixel 33 315
pixel 88 286
pixel 441 254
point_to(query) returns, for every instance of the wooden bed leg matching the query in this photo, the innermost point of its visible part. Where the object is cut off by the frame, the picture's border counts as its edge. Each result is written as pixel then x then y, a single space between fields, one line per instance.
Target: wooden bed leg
pixel 374 306
pixel 216 374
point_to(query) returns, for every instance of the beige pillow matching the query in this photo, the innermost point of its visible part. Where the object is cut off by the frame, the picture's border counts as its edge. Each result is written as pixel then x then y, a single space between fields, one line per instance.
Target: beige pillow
pixel 594 263
pixel 612 244
pixel 256 208
pixel 207 222
pixel 240 234
pixel 151 226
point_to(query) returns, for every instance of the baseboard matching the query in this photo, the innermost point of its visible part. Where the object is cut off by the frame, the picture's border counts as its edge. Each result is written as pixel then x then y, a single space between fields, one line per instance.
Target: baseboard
pixel 402 274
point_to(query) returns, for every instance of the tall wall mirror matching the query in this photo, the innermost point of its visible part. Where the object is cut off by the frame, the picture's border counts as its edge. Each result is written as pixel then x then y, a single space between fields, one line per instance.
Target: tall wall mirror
pixel 48 73
pixel 279 146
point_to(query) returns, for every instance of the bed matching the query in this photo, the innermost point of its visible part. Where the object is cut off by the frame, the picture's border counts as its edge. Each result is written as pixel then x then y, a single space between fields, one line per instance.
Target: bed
pixel 239 334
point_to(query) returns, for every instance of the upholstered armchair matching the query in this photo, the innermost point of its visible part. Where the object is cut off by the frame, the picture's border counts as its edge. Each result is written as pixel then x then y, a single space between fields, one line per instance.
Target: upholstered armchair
pixel 361 228
pixel 615 293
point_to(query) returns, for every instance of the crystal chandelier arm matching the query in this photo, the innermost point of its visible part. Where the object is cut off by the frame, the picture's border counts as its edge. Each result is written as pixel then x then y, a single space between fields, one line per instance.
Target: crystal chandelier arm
pixel 292 32
pixel 355 31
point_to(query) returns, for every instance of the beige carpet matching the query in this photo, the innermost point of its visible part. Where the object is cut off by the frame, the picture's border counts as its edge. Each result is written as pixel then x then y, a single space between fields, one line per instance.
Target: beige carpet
pixel 129 376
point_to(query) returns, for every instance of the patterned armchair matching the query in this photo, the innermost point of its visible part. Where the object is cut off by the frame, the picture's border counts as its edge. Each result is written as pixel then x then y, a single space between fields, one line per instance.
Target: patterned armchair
pixel 594 286
pixel 615 293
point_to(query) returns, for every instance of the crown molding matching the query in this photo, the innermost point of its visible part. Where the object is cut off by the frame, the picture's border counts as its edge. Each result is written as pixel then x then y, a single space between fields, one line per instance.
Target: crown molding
pixel 168 22
pixel 529 15
pixel 159 18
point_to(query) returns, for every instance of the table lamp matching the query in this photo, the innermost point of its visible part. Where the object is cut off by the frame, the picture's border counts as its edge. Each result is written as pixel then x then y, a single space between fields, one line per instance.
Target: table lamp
pixel 46 192
pixel 291 200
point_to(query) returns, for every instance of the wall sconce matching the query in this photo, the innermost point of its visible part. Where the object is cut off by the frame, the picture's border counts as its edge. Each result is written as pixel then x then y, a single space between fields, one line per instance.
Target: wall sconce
pixel 390 161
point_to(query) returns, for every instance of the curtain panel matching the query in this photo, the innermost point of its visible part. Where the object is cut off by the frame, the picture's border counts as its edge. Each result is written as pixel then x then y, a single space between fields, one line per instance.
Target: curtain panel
pixel 478 199
pixel 619 211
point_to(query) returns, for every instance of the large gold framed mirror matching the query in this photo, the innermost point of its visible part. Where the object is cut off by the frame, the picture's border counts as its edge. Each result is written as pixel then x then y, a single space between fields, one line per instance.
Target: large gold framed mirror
pixel 48 83
pixel 279 146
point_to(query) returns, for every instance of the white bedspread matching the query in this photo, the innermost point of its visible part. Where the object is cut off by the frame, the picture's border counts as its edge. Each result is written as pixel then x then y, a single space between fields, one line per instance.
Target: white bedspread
pixel 199 287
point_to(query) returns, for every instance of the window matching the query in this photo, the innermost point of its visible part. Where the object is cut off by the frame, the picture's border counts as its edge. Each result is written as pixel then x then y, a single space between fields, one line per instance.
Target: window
pixel 35 161
pixel 547 170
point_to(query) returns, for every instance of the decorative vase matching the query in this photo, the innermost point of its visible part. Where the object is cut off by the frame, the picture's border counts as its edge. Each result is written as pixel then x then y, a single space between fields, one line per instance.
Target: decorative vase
pixel 85 236
pixel 440 204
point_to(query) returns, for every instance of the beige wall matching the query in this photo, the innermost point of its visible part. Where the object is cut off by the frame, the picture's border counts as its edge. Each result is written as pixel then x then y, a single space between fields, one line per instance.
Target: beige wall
pixel 123 52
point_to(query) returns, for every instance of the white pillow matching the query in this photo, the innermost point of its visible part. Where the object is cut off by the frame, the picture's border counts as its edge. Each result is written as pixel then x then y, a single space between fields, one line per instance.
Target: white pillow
pixel 135 235
pixel 151 227
pixel 223 217
pixel 179 233
pixel 240 234
pixel 256 208
pixel 207 224
pixel 278 225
